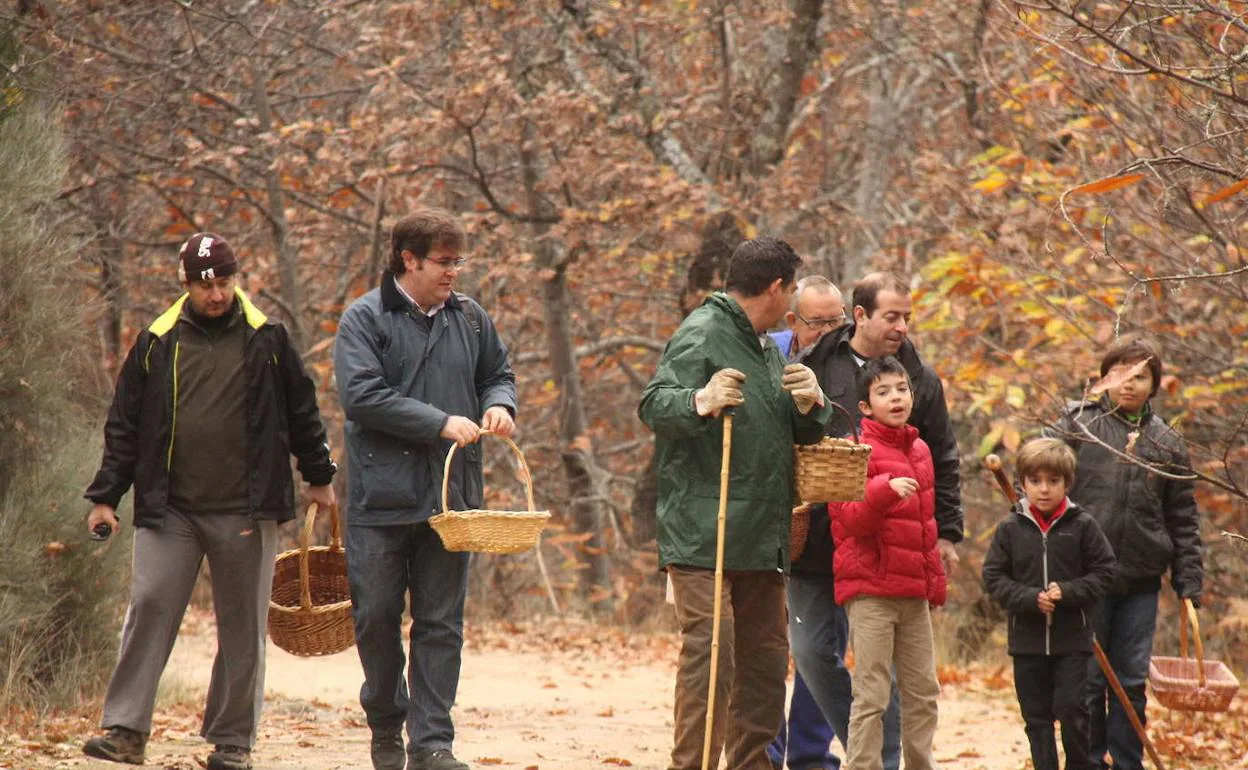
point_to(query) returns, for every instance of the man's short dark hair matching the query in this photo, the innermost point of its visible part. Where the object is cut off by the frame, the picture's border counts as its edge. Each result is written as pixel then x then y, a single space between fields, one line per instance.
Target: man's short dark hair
pixel 1130 350
pixel 422 231
pixel 876 368
pixel 868 288
pixel 756 263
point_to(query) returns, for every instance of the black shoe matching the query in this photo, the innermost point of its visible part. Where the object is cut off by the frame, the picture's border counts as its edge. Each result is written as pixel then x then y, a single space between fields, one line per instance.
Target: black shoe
pixel 226 757
pixel 119 744
pixel 387 750
pixel 436 759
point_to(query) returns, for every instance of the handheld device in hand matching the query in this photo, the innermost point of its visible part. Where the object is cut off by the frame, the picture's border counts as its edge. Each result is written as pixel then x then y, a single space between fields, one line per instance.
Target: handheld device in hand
pixel 101 531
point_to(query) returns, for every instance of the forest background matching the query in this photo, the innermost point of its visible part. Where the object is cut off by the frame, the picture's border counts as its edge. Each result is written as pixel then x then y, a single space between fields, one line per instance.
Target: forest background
pixel 1052 174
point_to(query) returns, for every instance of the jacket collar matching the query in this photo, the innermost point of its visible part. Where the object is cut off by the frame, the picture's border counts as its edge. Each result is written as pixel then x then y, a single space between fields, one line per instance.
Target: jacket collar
pixel 168 319
pixel 1023 509
pixel 901 437
pixel 836 344
pixel 393 300
pixel 730 306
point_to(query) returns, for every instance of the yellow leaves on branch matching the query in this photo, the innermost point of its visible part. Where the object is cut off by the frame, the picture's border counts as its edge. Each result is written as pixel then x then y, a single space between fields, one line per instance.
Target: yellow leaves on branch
pixel 1106 185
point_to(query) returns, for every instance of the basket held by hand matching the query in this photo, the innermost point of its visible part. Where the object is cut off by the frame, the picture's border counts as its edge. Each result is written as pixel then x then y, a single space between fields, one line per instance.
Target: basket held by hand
pixel 486 531
pixel 310 606
pixel 1187 684
pixel 832 471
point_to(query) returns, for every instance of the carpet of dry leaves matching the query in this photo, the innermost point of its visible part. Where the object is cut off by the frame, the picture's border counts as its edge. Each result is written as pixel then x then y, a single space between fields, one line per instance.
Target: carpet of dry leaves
pixel 551 695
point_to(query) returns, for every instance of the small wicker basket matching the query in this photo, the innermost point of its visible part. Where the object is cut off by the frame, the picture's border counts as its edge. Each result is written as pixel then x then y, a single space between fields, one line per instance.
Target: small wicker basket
pixel 832 471
pixel 486 531
pixel 1185 684
pixel 310 606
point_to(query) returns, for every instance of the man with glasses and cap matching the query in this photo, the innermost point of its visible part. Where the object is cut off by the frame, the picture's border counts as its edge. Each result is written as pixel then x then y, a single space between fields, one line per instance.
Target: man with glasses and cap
pixel 419 367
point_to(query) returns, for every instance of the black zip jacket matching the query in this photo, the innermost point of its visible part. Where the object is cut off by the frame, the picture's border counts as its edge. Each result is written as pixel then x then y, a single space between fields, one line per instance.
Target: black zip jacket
pixel 1023 560
pixel 282 419
pixel 1151 521
pixel 833 363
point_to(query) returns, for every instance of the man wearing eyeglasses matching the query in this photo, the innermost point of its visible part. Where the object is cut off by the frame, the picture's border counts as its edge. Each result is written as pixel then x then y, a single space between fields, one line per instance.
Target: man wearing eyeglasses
pixel 805 737
pixel 418 367
pixel 818 308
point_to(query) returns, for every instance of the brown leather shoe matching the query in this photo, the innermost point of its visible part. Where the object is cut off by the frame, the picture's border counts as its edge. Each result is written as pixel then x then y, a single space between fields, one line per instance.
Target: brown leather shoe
pixel 119 744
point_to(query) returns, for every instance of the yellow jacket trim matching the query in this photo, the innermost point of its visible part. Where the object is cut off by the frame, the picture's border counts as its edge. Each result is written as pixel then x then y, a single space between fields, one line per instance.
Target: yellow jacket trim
pixel 168 319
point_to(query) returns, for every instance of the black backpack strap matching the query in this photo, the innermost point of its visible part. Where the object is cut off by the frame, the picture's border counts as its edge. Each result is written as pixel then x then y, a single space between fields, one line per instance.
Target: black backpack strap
pixel 470 310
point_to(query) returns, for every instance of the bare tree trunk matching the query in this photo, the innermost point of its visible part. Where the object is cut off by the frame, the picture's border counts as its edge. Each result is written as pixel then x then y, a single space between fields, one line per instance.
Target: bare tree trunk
pixel 587 500
pixel 800 47
pixel 879 140
pixel 112 257
pixel 287 260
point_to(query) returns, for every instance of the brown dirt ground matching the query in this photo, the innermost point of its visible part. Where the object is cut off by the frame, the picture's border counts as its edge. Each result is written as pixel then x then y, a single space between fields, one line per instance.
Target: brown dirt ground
pixel 562 695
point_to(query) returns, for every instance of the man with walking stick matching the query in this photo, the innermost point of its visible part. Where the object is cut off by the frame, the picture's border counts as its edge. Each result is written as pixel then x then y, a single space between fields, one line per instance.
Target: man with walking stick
pixel 720 359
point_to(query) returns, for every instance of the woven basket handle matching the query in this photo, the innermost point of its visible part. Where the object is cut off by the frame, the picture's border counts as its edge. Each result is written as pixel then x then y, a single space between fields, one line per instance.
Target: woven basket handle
pixel 1189 616
pixel 853 424
pixel 305 541
pixel 524 472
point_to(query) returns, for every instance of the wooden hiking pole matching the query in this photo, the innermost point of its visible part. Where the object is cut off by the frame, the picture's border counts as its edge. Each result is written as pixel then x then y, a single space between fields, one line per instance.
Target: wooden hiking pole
pixel 994 464
pixel 720 520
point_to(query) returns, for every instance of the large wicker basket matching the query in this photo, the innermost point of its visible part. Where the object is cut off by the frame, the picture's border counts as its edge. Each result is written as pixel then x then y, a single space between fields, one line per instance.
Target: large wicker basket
pixel 1185 684
pixel 486 531
pixel 310 607
pixel 832 471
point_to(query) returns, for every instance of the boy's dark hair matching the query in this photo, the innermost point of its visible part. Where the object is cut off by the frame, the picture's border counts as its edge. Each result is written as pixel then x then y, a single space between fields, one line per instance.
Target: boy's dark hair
pixel 1050 455
pixel 1130 350
pixel 756 263
pixel 422 231
pixel 875 369
pixel 868 288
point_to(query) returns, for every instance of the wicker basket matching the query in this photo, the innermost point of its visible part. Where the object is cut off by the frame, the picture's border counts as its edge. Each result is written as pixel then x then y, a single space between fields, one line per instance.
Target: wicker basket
pixel 798 530
pixel 1185 684
pixel 486 531
pixel 310 607
pixel 832 471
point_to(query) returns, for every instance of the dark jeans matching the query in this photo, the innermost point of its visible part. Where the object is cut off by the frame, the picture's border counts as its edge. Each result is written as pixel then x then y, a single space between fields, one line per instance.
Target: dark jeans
pixel 1051 687
pixel 805 738
pixel 384 563
pixel 1124 626
pixel 819 635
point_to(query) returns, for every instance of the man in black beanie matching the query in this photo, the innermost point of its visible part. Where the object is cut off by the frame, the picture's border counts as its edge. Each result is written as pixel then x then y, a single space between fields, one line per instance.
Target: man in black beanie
pixel 211 402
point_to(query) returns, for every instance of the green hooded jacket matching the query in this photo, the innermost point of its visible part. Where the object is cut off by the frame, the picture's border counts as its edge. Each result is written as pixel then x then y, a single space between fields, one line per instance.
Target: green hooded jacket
pixel 716 336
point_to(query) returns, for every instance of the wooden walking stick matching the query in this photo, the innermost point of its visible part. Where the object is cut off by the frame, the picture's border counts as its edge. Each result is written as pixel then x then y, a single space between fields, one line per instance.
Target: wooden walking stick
pixel 720 521
pixel 998 472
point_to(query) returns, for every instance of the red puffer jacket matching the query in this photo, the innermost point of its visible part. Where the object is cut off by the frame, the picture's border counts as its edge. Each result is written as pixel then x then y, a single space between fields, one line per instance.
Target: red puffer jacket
pixel 886 546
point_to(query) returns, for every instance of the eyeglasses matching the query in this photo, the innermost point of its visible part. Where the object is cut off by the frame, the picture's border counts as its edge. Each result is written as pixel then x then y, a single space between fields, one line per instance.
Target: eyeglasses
pixel 823 323
pixel 448 265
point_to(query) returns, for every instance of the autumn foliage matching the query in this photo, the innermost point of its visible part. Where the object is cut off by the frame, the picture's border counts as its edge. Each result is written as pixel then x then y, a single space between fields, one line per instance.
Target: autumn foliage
pixel 1052 174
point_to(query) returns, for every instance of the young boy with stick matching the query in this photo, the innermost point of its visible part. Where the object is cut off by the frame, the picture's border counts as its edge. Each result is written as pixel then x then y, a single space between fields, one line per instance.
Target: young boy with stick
pixel 888 574
pixel 1048 565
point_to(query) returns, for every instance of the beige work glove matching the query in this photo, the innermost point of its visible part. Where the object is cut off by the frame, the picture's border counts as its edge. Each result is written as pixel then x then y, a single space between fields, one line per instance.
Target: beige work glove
pixel 801 383
pixel 723 390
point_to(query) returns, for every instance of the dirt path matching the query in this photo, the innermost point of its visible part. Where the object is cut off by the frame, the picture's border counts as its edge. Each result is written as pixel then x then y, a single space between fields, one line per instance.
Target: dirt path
pixel 559 697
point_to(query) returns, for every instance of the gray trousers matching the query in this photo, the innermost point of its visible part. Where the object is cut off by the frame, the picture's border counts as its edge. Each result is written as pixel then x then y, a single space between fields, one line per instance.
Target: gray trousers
pixel 240 555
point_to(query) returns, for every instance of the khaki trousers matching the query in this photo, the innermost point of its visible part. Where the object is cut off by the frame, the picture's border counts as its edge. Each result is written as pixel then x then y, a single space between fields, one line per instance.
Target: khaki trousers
pixel 753 663
pixel 886 632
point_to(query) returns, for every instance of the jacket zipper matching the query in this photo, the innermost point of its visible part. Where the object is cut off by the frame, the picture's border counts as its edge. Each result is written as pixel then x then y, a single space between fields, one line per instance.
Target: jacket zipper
pixel 1048 618
pixel 173 421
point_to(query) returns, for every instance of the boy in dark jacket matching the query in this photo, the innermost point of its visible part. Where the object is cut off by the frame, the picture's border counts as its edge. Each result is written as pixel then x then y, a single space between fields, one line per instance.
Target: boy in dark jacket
pixel 888 574
pixel 1048 565
pixel 1134 479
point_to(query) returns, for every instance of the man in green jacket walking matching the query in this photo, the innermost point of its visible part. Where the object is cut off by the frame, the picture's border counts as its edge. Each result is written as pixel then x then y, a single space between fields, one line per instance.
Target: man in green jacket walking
pixel 721 358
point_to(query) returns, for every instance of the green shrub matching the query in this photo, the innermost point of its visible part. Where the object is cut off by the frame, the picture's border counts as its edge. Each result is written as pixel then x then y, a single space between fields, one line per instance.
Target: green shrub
pixel 61 595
